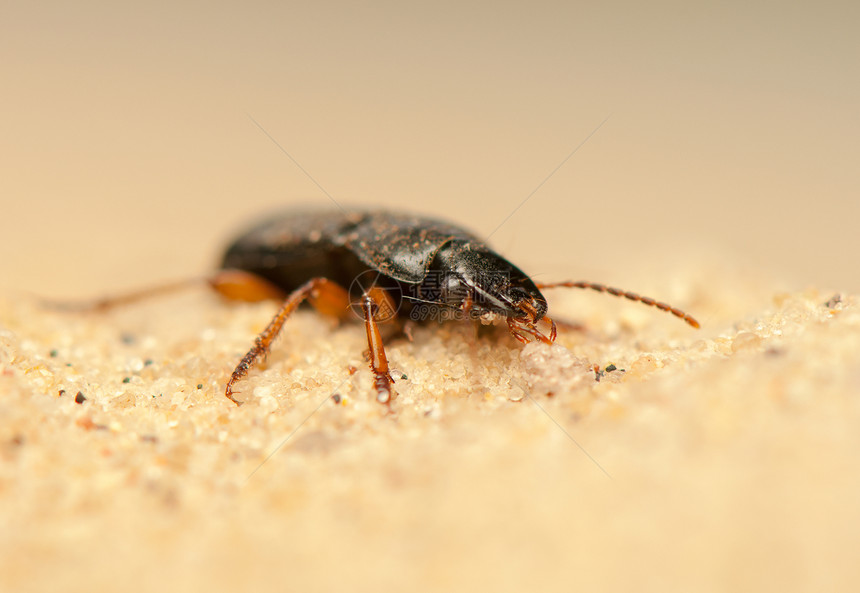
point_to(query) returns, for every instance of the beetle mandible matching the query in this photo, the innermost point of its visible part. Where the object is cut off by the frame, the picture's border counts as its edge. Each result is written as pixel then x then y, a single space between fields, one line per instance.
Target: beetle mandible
pixel 412 266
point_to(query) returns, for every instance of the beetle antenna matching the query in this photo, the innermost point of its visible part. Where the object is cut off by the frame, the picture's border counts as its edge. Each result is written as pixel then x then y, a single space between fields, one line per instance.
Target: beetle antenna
pixel 632 296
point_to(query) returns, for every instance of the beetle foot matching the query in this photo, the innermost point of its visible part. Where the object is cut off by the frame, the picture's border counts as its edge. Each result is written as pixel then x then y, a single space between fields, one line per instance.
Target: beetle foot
pixel 229 391
pixel 382 384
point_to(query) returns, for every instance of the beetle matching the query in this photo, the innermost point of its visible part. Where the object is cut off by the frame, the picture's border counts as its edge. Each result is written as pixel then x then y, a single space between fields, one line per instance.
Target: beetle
pixel 384 266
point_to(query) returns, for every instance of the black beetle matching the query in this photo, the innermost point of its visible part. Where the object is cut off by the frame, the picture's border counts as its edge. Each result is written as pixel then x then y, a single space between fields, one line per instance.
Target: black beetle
pixel 385 266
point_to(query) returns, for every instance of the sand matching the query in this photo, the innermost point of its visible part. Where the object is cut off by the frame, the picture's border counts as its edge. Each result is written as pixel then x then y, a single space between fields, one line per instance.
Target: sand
pixel 711 460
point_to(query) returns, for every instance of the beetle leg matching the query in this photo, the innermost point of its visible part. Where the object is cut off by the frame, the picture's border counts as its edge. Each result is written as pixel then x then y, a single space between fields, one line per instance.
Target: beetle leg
pixel 120 300
pixel 386 310
pixel 232 284
pixel 569 326
pixel 553 331
pixel 331 299
pixel 517 328
pixel 317 290
pixel 515 332
pixel 239 285
pixel 378 361
pixel 406 329
pixel 466 307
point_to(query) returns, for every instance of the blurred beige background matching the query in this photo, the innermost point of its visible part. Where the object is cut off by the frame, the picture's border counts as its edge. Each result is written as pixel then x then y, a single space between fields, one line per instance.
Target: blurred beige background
pixel 128 155
pixel 728 161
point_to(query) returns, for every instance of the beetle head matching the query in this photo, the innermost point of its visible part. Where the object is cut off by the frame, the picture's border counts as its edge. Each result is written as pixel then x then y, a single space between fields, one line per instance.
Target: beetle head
pixel 480 281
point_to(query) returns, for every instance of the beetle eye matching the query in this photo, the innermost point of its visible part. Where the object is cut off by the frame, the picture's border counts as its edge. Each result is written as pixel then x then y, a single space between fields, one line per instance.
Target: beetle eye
pixel 518 295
